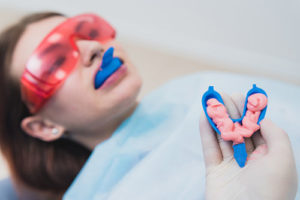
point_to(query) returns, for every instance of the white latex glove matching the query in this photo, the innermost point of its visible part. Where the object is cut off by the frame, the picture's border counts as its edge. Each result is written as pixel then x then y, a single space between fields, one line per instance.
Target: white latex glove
pixel 270 172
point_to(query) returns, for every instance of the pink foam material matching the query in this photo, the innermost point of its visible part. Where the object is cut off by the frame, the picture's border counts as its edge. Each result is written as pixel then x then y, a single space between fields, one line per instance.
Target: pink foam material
pixel 236 132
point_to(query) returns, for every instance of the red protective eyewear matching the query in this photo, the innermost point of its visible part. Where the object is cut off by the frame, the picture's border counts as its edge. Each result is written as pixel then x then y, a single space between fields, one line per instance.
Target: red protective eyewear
pixel 57 55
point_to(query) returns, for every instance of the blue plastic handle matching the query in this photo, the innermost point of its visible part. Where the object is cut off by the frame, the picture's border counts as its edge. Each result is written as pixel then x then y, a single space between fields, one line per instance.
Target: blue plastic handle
pixel 108 66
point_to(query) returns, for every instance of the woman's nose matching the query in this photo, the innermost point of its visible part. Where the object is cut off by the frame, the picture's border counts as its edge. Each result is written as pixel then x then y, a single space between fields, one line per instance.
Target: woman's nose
pixel 89 51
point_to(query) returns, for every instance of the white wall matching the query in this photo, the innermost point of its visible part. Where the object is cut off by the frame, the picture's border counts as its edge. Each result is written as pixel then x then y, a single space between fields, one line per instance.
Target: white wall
pixel 259 34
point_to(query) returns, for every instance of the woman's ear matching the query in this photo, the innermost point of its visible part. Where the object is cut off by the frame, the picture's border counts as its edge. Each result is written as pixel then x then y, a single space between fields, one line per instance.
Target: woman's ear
pixel 43 129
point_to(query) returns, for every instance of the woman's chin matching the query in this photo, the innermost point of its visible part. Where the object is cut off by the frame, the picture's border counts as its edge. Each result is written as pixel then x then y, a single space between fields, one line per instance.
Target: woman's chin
pixel 125 93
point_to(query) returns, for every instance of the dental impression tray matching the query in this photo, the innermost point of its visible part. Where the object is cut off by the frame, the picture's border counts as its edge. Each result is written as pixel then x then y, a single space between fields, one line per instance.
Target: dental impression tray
pixel 235 130
pixel 108 66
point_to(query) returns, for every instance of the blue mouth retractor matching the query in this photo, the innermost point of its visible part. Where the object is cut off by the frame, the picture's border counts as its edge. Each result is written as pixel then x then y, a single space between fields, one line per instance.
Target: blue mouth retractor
pixel 109 65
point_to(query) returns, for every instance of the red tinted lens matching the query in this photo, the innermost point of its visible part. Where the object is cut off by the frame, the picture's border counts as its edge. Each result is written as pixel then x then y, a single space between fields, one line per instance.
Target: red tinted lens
pixel 57 55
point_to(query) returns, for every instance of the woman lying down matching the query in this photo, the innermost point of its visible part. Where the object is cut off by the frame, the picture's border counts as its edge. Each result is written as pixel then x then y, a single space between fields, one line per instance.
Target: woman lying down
pixel 72 128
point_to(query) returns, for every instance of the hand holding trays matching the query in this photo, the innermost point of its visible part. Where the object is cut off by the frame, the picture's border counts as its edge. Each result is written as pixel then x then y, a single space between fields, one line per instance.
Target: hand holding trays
pixel 235 130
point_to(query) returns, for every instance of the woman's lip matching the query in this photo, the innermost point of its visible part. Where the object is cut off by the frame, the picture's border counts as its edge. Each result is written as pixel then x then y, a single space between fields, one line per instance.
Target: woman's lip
pixel 115 77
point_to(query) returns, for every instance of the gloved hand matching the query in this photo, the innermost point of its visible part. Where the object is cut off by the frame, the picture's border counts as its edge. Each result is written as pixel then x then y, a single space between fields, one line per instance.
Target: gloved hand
pixel 270 171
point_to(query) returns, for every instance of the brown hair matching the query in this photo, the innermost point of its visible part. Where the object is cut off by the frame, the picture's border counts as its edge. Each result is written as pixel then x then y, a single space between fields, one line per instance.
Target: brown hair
pixel 45 166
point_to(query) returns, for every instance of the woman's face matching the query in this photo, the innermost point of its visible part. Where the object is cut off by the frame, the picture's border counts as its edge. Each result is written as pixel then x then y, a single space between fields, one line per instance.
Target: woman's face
pixel 77 105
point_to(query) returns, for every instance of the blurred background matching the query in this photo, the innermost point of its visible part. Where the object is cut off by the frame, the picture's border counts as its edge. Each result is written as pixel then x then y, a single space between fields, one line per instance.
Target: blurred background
pixel 170 38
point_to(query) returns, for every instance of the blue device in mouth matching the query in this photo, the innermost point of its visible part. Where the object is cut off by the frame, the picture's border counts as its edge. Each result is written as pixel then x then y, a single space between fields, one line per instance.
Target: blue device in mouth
pixel 108 66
